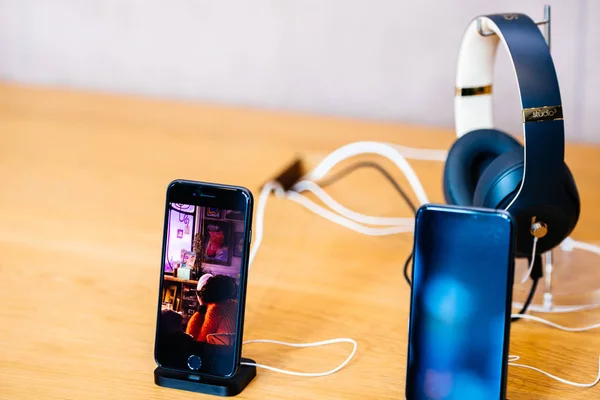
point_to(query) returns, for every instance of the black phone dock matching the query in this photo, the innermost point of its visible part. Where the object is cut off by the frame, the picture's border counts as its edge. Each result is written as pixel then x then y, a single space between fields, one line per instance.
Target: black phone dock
pixel 207 385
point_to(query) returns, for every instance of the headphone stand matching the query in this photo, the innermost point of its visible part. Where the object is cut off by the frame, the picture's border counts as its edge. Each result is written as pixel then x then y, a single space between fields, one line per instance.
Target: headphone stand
pixel 207 385
pixel 546 22
pixel 548 303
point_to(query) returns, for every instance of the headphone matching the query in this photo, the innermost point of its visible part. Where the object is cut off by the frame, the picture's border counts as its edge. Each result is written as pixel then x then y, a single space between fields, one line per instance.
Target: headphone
pixel 487 167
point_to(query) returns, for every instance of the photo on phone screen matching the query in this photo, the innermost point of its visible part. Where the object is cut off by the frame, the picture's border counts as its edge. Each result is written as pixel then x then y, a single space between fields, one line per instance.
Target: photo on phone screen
pixel 203 280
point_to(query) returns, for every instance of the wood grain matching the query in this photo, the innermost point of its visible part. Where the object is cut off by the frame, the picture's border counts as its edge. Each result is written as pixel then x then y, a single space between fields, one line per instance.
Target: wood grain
pixel 84 178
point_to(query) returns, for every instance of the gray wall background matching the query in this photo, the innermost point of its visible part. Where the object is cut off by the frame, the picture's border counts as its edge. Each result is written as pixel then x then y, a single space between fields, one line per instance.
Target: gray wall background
pixel 377 59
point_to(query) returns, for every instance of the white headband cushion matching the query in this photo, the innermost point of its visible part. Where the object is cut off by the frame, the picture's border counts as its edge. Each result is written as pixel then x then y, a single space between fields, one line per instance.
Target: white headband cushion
pixel 476 61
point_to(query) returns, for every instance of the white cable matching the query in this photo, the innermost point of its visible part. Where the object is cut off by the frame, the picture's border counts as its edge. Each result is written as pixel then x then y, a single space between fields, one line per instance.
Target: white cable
pixel 557 309
pixel 345 222
pixel 273 186
pixel 555 325
pixel 310 186
pixel 383 149
pixel 259 226
pixel 512 359
pixel 314 344
pixel 260 216
pixel 528 273
pixel 569 244
pixel 414 153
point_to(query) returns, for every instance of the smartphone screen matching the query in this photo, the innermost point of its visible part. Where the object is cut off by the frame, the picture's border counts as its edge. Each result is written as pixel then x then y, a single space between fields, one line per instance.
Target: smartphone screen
pixel 460 304
pixel 203 278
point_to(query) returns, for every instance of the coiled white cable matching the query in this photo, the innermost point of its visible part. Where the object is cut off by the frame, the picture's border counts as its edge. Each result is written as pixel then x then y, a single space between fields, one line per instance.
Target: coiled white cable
pixel 310 186
pixel 555 325
pixel 314 344
pixel 383 149
pixel 512 359
pixel 396 153
pixel 343 221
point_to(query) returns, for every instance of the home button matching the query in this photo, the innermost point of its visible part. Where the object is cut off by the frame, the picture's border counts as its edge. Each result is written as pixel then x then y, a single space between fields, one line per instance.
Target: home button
pixel 194 362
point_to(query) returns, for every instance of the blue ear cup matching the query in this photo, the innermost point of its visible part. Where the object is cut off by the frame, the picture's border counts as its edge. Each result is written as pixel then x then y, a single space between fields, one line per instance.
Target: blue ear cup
pixel 468 159
pixel 507 171
pixel 499 184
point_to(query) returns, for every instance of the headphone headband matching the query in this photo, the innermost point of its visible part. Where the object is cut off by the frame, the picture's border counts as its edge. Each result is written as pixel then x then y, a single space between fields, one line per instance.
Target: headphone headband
pixel 538 86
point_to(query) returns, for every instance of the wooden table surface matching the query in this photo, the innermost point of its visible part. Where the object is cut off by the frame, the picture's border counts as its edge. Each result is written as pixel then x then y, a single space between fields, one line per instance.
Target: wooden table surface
pixel 83 189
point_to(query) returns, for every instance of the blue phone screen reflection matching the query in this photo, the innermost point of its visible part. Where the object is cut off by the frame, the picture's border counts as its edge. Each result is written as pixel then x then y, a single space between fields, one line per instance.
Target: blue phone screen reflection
pixel 462 271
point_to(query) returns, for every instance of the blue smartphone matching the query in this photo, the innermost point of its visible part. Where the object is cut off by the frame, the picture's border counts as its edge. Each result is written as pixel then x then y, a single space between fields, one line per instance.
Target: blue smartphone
pixel 460 306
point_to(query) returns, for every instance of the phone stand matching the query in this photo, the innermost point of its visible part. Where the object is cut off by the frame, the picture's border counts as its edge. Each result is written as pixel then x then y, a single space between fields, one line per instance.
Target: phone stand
pixel 207 385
